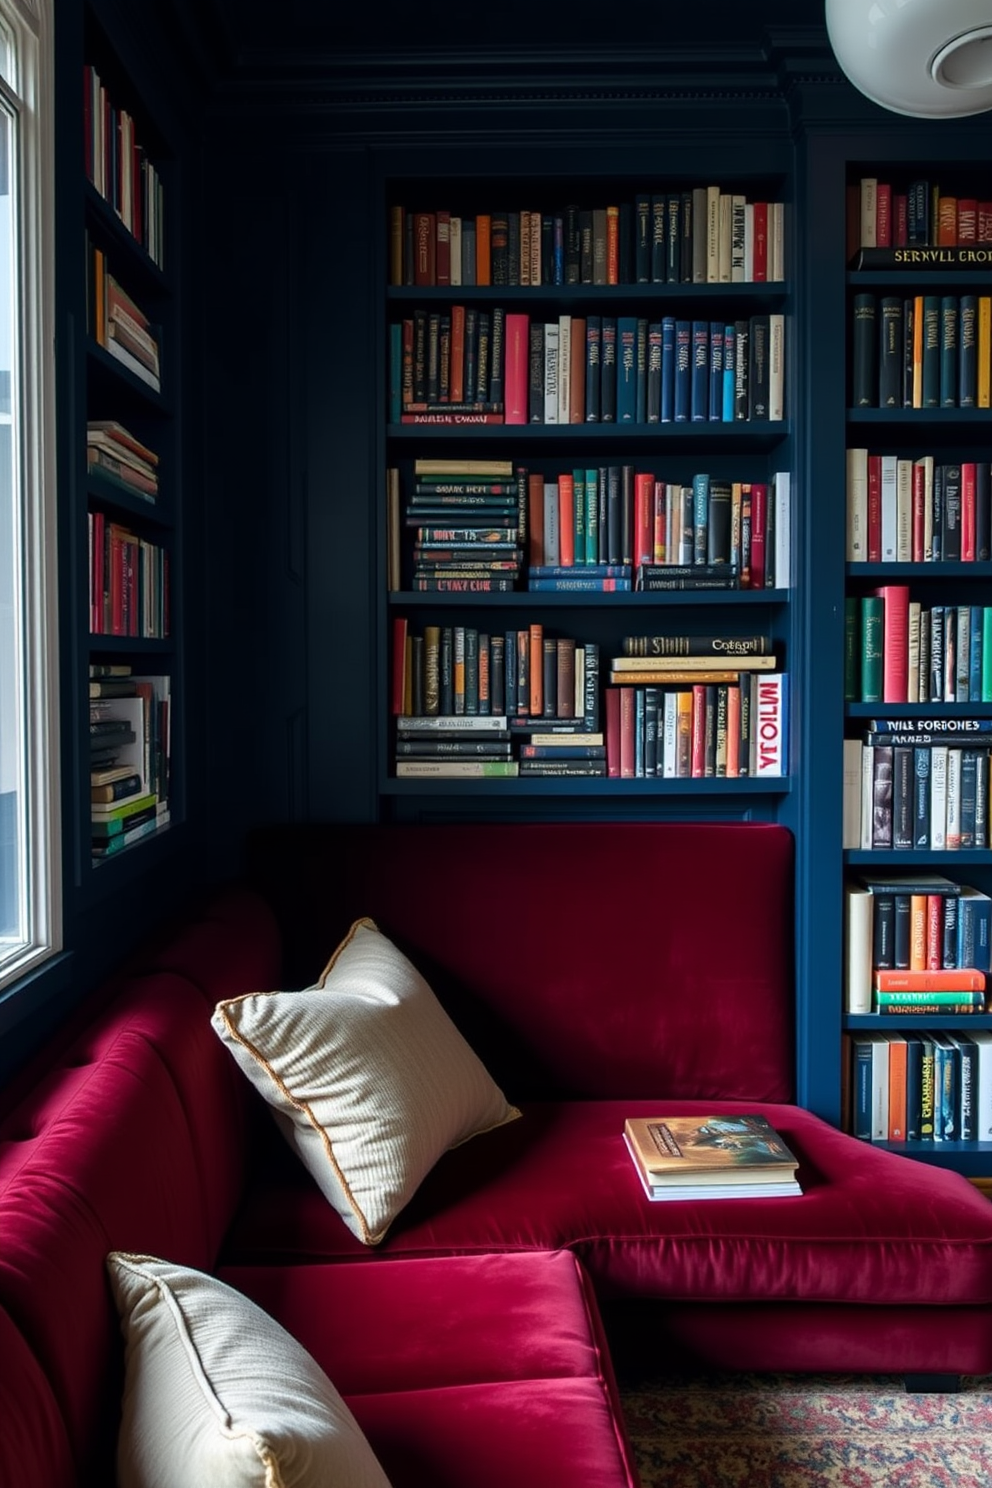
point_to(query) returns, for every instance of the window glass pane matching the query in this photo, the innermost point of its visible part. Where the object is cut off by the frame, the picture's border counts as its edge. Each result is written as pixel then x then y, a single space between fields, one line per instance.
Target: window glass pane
pixel 13 885
pixel 8 56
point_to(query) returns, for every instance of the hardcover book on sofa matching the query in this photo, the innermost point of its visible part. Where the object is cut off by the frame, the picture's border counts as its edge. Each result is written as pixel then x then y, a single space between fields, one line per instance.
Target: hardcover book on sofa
pixel 710 1157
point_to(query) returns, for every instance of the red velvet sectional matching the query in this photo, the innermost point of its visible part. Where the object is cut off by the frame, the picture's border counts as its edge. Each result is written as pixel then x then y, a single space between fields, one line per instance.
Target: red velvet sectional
pixel 597 979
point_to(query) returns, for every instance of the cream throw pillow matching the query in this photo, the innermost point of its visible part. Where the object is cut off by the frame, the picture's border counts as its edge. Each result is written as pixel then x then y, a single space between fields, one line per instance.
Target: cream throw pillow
pixel 368 1078
pixel 216 1392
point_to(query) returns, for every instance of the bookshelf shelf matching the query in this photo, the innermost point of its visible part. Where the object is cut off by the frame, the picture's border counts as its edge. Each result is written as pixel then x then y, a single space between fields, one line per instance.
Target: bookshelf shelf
pixel 755 438
pixel 119 449
pixel 926 488
pixel 659 600
pixel 683 790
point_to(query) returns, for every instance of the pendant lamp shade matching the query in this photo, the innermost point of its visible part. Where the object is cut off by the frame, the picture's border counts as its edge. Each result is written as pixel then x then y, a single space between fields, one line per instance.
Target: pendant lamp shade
pixel 930 59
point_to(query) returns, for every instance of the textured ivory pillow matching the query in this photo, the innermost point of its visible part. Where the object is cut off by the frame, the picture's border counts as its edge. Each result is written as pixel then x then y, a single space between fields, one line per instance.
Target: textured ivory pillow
pixel 367 1076
pixel 216 1392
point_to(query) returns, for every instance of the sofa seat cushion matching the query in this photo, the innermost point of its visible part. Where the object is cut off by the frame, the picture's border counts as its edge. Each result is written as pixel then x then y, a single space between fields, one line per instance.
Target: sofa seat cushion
pixel 871 1227
pixel 34 1445
pixel 487 1369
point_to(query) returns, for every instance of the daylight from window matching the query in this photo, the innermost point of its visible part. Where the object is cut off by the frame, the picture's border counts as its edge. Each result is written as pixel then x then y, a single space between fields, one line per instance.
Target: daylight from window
pixel 28 778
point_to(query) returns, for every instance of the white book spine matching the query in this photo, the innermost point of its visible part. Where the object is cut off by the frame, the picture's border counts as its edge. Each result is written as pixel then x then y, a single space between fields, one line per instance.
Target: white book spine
pixel 858 947
pixel 904 511
pixel 867 795
pixel 712 234
pixel 455 241
pixel 551 374
pixel 953 832
pixel 776 366
pixel 669 736
pixel 564 367
pixel 889 496
pixel 938 796
pixel 776 241
pixel 851 817
pixel 857 505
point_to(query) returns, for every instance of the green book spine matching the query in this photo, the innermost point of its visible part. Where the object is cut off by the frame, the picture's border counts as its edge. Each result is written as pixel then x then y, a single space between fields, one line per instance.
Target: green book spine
pixel 592 516
pixel 872 647
pixel 852 653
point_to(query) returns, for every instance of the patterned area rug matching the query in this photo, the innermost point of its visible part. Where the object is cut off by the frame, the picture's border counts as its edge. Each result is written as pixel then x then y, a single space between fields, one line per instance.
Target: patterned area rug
pixel 797 1431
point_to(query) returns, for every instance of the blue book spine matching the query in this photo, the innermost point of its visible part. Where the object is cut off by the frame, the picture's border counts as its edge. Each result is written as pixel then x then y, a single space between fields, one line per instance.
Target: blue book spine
pixel 641 411
pixel 931 351
pixel 395 373
pixel 968 351
pixel 626 369
pixel 668 369
pixel 683 370
pixel 653 392
pixel 727 405
pixel 975 615
pixel 861 1088
pixel 921 796
pixel 579 583
pixel 716 371
pixel 510 674
pixel 699 403
pixel 949 354
pixel 700 517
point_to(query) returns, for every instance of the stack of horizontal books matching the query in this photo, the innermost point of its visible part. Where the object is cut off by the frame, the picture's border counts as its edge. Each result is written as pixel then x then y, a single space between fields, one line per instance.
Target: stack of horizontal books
pixel 710 1157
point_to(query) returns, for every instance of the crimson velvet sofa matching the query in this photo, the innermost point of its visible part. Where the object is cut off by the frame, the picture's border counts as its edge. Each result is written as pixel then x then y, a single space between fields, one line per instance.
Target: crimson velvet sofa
pixel 134 1132
pixel 596 980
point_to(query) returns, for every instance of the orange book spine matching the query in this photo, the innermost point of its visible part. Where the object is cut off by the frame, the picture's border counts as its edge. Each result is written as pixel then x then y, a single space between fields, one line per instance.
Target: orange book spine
pixel 918 351
pixel 683 735
pixel 960 979
pixel 898 1050
pixel 918 932
pixel 483 248
pixel 536 669
pixel 643 517
pixel 613 245
pixel 733 732
pixel 947 222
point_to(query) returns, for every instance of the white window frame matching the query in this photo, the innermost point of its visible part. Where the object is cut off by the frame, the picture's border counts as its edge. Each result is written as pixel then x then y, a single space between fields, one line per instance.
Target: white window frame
pixel 31 23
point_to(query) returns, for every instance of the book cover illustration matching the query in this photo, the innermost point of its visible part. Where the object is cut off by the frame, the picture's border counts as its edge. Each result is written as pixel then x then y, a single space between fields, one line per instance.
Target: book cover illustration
pixel 726 1148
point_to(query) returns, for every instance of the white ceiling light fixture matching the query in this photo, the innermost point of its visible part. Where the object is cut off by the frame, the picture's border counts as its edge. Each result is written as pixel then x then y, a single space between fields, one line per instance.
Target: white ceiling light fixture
pixel 928 59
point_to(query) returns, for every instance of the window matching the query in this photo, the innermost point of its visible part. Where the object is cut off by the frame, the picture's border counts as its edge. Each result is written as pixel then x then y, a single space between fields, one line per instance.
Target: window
pixel 30 852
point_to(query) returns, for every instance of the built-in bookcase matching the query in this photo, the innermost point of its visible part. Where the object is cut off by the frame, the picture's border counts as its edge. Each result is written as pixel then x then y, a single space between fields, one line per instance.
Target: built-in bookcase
pixel 918 654
pixel 584 485
pixel 121 457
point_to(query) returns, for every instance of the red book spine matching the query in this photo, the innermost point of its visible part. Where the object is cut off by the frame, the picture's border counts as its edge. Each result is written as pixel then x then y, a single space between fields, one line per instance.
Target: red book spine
pixel 733 732
pixel 566 519
pixel 760 238
pixel 456 361
pixel 698 757
pixel 895 653
pixel 442 247
pixel 900 219
pixel 399 664
pixel 759 528
pixel 517 360
pixel 613 733
pixel 935 932
pixel 968 498
pixel 424 248
pixel 967 219
pixel 627 726
pixel 883 215
pixel 644 486
pixel 874 508
pixel 919 512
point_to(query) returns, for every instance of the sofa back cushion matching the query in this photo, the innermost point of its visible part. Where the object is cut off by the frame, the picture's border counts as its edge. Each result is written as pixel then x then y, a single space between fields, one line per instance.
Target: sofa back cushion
pixel 586 959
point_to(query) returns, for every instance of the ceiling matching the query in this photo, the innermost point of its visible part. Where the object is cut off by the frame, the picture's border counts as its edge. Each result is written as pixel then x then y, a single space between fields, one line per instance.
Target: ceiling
pixel 252 38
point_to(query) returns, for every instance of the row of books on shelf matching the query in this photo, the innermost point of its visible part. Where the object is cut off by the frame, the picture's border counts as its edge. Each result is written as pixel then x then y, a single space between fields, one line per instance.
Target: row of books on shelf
pixel 695 235
pixel 116 455
pixel 898 650
pixel 921 1087
pixel 921 351
pixel 118 166
pixel 916 791
pixel 118 324
pixel 130 749
pixel 902 509
pixel 898 214
pixel 915 944
pixel 467 365
pixel 592 528
pixel 128 581
pixel 728 725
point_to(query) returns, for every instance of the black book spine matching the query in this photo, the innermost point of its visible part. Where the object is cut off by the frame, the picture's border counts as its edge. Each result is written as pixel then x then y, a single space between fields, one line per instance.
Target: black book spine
pixel 891 352
pixel 608 371
pixel 983 511
pixel 642 240
pixel 921 796
pixel 902 796
pixel 758 368
pixel 883 932
pixel 900 932
pixel 864 364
